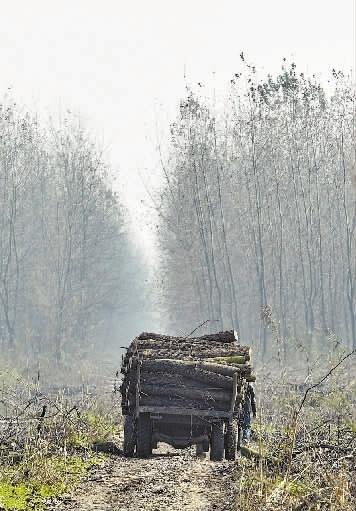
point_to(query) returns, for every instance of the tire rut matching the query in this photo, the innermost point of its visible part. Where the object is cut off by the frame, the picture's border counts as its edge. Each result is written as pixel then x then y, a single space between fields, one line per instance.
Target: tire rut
pixel 169 480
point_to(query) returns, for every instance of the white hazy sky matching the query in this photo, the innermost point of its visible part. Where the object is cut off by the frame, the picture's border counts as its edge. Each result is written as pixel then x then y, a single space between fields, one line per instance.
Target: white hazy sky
pixel 121 64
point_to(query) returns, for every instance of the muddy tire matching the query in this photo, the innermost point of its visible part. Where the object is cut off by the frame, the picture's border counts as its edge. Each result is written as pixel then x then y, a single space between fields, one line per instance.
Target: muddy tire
pixel 199 450
pixel 217 442
pixel 206 445
pixel 231 441
pixel 144 436
pixel 129 436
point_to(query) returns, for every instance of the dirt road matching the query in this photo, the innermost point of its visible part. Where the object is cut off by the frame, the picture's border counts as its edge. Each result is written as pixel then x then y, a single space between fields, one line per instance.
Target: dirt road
pixel 169 481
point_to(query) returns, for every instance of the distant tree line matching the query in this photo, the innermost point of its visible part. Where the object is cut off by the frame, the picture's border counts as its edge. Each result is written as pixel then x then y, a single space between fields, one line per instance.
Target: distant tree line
pixel 258 211
pixel 64 252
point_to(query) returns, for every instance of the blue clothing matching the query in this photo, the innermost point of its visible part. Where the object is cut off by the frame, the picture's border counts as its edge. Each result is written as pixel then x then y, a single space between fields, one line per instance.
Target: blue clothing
pixel 246 425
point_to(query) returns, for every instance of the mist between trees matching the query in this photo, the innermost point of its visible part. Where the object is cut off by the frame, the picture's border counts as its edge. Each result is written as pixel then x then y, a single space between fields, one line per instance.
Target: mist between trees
pixel 68 271
pixel 258 212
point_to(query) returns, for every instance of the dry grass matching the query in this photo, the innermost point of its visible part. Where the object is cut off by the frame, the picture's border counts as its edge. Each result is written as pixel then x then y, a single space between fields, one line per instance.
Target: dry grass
pixel 47 433
pixel 303 463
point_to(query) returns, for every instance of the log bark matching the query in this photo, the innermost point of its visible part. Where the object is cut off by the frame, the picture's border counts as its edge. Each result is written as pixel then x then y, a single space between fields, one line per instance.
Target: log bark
pixel 191 354
pixel 152 346
pixel 178 380
pixel 229 336
pixel 158 337
pixel 189 370
pixel 225 337
pixel 225 370
pixel 188 367
pixel 193 369
pixel 208 378
pixel 172 391
pixel 184 403
pixel 186 345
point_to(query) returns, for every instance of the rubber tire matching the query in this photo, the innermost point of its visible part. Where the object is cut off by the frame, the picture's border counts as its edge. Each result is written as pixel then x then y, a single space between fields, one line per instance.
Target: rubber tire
pixel 231 441
pixel 199 450
pixel 129 436
pixel 144 436
pixel 217 442
pixel 206 445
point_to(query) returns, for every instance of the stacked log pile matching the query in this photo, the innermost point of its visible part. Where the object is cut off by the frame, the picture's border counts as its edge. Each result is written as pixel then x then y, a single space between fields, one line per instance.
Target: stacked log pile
pixel 194 372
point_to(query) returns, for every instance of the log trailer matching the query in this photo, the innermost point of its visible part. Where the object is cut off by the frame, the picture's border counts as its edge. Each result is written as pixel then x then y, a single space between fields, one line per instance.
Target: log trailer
pixel 184 392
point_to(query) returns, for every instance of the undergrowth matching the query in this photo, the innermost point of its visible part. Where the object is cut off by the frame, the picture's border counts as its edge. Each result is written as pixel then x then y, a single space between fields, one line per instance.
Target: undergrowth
pixel 31 483
pixel 47 435
pixel 305 464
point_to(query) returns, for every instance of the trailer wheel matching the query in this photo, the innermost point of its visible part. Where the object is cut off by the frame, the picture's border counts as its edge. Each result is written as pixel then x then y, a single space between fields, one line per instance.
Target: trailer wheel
pixel 206 445
pixel 129 436
pixel 199 450
pixel 144 436
pixel 217 442
pixel 231 441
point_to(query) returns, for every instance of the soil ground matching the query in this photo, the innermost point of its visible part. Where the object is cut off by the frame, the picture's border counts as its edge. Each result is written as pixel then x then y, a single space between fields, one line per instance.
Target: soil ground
pixel 170 480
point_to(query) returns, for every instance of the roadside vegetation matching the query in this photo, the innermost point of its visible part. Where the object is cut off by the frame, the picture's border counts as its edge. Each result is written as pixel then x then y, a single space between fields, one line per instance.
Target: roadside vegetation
pixel 303 452
pixel 68 282
pixel 50 438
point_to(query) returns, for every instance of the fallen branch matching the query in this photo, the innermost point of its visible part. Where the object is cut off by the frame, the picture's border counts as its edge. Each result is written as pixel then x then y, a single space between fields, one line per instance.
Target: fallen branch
pixel 323 445
pixel 312 387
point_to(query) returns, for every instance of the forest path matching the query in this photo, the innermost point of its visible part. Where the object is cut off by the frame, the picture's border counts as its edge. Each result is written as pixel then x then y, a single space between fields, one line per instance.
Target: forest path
pixel 170 480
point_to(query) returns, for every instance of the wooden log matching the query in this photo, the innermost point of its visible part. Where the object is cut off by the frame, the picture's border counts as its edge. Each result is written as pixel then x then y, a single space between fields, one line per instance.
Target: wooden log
pixel 185 360
pixel 228 360
pixel 204 378
pixel 178 380
pixel 226 337
pixel 171 348
pixel 185 344
pixel 208 354
pixel 177 347
pixel 192 371
pixel 225 351
pixel 160 378
pixel 173 391
pixel 202 382
pixel 188 367
pixel 225 370
pixel 192 354
pixel 184 403
pixel 158 337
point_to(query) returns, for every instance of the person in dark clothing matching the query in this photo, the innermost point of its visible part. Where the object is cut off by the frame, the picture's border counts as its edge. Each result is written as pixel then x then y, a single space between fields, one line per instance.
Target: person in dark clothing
pixel 249 409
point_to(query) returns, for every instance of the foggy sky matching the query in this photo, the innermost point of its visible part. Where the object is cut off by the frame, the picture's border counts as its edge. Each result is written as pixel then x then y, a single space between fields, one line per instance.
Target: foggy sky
pixel 121 64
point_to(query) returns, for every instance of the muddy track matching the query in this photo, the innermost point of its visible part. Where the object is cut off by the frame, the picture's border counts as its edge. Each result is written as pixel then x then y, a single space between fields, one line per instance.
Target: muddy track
pixel 170 480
